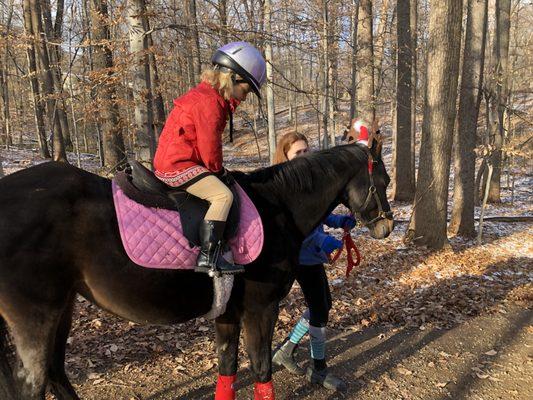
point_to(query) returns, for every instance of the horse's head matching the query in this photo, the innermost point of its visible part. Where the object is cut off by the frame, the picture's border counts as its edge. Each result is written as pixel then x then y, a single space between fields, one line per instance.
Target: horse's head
pixel 366 192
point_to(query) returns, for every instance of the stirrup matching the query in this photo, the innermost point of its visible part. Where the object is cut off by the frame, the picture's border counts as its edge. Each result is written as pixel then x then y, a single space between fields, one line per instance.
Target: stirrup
pixel 211 271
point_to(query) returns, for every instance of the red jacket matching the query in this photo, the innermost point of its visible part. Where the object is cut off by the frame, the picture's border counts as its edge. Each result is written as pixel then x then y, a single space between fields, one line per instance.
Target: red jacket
pixel 193 131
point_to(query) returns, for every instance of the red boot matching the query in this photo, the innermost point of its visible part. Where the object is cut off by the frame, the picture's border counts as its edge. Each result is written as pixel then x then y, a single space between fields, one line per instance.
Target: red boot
pixel 225 389
pixel 264 391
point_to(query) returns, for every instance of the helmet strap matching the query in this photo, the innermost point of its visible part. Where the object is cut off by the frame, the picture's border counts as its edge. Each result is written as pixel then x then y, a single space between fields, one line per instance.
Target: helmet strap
pixel 230 126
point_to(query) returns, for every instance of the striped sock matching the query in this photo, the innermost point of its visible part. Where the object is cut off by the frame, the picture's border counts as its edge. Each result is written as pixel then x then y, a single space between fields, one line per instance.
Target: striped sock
pixel 318 342
pixel 300 329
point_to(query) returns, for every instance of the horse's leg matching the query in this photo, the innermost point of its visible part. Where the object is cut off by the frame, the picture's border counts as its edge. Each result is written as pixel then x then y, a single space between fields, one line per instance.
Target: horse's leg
pixel 60 385
pixel 33 334
pixel 258 332
pixel 227 339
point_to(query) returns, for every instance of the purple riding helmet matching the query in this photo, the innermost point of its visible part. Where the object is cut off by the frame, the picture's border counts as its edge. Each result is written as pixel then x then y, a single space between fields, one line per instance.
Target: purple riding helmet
pixel 245 60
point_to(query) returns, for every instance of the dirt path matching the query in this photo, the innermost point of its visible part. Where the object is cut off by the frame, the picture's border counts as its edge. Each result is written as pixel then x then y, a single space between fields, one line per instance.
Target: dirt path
pixel 407 324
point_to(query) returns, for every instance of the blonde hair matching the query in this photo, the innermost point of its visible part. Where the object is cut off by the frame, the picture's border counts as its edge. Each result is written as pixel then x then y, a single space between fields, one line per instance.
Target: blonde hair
pixel 222 81
pixel 284 145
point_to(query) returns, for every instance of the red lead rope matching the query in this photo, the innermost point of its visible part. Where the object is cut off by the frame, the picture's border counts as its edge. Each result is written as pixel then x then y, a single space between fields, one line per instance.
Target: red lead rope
pixel 351 248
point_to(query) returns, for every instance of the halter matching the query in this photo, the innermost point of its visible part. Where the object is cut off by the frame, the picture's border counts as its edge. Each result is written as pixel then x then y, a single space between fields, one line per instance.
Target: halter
pixel 366 137
pixel 373 194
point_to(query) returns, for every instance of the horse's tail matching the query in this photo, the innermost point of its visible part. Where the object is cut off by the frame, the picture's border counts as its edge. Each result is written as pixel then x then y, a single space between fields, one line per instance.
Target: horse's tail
pixel 8 386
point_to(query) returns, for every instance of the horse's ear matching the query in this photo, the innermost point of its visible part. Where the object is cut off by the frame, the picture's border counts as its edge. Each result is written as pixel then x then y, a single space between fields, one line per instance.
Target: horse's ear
pixel 345 134
pixel 376 144
pixel 349 133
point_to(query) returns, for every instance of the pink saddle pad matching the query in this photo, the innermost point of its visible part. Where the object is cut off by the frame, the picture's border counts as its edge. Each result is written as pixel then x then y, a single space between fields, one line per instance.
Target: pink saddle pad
pixel 153 238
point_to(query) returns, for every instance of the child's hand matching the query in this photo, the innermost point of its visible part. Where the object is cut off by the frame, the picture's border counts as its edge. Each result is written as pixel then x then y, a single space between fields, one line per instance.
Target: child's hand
pixel 331 244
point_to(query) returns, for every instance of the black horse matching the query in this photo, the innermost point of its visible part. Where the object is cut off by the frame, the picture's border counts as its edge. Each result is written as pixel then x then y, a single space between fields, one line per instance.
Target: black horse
pixel 59 237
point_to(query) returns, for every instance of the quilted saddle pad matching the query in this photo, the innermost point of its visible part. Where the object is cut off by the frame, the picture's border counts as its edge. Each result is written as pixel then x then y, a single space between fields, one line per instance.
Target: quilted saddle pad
pixel 153 237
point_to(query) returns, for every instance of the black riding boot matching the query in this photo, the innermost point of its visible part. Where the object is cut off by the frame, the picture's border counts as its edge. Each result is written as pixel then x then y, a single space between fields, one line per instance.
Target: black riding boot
pixel 210 258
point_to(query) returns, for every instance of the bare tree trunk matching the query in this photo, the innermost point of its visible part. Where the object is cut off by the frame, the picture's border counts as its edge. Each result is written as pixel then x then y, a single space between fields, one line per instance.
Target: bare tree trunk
pixel 500 97
pixel 4 85
pixel 194 42
pixel 54 34
pixel 326 79
pixel 141 82
pixel 34 84
pixel 50 82
pixel 86 23
pixel 353 84
pixel 159 104
pixel 462 221
pixel 223 13
pixel 332 56
pixel 484 204
pixel 113 143
pixel 71 93
pixel 269 89
pixel 431 197
pixel 404 176
pixel 379 45
pixel 414 80
pixel 18 94
pixel 4 75
pixel 365 69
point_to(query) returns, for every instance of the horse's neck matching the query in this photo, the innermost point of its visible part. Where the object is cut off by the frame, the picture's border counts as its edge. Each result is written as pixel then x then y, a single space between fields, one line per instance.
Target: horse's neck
pixel 302 210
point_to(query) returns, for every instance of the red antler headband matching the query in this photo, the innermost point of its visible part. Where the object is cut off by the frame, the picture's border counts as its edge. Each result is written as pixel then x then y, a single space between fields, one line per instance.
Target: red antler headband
pixel 360 128
pixel 363 137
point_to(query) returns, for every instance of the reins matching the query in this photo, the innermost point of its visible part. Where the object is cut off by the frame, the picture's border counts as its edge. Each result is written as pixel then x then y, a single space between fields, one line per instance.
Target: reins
pixel 351 250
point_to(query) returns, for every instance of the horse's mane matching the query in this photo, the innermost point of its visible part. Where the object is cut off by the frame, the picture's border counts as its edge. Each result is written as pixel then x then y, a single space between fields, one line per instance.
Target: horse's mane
pixel 304 173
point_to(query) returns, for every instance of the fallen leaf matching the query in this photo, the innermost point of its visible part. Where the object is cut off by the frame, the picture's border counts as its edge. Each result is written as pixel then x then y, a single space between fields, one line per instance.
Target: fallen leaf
pixel 441 384
pixel 491 352
pixel 210 364
pixel 389 382
pixel 404 371
pixel 359 374
pixel 96 323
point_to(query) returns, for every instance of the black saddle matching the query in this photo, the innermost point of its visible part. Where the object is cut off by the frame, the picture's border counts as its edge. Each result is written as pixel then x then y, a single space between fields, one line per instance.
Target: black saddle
pixel 142 186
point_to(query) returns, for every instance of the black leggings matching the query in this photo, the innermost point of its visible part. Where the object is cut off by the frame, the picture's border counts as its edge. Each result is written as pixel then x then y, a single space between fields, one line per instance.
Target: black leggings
pixel 314 283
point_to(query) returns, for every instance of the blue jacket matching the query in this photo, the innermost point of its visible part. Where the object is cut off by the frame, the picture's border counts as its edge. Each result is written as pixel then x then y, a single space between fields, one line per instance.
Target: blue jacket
pixel 311 252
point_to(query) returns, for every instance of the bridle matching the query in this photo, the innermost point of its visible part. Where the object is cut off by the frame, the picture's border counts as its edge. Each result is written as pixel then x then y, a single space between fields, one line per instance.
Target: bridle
pixel 373 194
pixel 372 190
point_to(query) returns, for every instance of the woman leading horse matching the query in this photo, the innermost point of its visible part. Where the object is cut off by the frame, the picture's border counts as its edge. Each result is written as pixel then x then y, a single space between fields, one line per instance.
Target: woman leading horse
pixel 312 278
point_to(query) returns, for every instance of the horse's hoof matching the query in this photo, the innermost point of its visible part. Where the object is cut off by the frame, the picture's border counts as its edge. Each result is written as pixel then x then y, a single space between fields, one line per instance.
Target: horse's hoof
pixel 325 379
